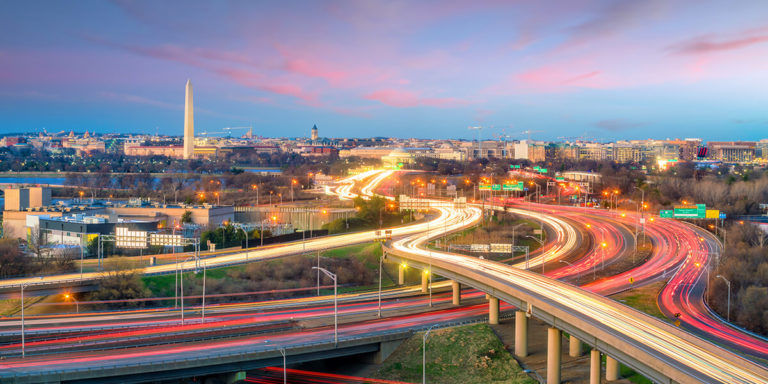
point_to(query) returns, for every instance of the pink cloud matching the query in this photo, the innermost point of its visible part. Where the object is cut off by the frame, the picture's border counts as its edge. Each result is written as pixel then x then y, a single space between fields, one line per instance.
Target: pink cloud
pixel 408 99
pixel 551 79
pixel 703 45
pixel 134 99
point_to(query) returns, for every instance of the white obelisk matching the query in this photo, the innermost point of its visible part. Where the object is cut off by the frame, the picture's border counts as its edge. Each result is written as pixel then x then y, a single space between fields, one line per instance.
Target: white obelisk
pixel 189 123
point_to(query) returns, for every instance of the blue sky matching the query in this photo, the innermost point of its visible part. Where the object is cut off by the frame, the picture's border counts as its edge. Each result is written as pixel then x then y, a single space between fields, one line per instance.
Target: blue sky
pixel 607 69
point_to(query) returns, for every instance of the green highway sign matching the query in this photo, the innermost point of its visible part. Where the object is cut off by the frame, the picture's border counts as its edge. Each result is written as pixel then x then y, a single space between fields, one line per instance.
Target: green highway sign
pixel 543 170
pixel 559 178
pixel 496 187
pixel 484 187
pixel 514 166
pixel 514 187
pixel 698 211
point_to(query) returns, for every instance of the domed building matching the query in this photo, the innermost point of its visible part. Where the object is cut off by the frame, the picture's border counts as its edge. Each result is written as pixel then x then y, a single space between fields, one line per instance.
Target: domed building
pixel 397 158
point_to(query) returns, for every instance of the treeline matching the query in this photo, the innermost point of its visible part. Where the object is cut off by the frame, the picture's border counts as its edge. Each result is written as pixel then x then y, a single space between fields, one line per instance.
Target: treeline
pixel 745 265
pixel 66 160
pixel 14 262
pixel 733 196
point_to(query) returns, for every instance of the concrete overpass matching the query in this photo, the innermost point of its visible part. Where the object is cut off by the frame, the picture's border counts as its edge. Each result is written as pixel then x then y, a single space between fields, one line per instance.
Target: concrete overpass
pixel 656 349
pixel 229 363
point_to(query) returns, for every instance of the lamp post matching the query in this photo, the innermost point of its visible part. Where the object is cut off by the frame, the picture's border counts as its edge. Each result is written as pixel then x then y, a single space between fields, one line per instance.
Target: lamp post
pixel 285 375
pixel 240 227
pixel 428 274
pixel 424 354
pixel 204 268
pixel 181 273
pixel 728 283
pixel 335 304
pixel 381 262
pixel 541 243
pixel 255 187
pixel 24 285
pixel 603 244
pixel 578 276
pixel 68 296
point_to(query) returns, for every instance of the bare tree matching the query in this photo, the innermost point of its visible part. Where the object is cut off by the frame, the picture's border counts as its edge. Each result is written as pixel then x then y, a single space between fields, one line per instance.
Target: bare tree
pixel 38 243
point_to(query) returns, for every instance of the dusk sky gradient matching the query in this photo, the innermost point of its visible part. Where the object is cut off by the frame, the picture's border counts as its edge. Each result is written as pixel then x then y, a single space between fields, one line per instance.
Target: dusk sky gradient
pixel 428 69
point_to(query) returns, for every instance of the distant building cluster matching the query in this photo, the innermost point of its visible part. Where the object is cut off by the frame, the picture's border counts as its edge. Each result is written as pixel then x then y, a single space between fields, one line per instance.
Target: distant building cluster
pixel 391 151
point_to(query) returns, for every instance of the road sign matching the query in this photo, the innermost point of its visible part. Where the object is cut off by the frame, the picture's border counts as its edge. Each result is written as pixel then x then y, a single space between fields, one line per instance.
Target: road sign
pixel 496 187
pixel 484 187
pixel 501 248
pixel 543 170
pixel 722 216
pixel 712 214
pixel 666 213
pixel 559 178
pixel 631 280
pixel 513 187
pixel 698 211
pixel 514 166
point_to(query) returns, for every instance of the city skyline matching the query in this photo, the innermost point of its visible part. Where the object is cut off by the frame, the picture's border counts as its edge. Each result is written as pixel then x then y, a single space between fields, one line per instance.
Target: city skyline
pixel 613 70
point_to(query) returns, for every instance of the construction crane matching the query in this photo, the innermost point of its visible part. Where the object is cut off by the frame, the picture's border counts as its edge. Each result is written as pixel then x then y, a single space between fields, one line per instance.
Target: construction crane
pixel 230 129
pixel 206 133
pixel 528 132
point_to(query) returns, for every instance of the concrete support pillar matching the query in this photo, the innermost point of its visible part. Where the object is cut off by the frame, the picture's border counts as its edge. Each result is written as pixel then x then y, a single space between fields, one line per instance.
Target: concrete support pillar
pixel 493 311
pixel 611 369
pixel 456 292
pixel 400 275
pixel 574 349
pixel 521 334
pixel 424 282
pixel 554 343
pixel 594 367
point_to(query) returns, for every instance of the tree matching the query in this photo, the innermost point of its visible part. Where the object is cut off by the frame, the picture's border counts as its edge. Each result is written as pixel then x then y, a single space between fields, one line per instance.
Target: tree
pixel 186 217
pixel 121 281
pixel 12 260
pixel 37 242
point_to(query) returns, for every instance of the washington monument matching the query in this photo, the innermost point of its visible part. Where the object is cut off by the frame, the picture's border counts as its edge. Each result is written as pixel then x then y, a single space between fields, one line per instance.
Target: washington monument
pixel 189 123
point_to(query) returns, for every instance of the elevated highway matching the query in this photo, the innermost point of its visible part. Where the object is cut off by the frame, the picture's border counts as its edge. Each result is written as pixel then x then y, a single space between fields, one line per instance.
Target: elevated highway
pixel 656 349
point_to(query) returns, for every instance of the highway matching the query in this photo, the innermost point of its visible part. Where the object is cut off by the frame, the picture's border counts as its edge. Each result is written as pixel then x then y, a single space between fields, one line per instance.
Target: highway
pixel 681 356
pixel 698 359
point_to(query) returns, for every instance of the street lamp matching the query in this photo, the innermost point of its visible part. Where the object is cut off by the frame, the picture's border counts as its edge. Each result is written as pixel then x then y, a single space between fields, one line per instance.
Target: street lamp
pixel 335 303
pixel 381 262
pixel 285 375
pixel 204 268
pixel 541 243
pixel 424 354
pixel 24 285
pixel 255 187
pixel 578 276
pixel 240 227
pixel 728 314
pixel 68 296
pixel 428 274
pixel 181 273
